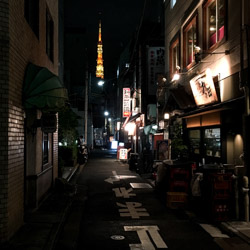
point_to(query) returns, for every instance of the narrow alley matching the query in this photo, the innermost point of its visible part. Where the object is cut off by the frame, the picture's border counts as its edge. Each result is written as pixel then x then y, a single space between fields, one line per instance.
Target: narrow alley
pixel 118 209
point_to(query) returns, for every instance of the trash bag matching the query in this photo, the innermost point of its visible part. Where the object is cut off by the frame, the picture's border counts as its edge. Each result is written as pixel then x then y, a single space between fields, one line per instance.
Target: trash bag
pixel 195 184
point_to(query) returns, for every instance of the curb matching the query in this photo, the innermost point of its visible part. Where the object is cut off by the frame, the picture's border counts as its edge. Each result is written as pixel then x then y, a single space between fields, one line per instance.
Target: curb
pixel 72 172
pixel 235 232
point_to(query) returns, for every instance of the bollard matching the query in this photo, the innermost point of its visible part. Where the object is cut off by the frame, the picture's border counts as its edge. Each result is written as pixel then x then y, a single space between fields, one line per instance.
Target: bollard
pixel 245 190
pixel 236 193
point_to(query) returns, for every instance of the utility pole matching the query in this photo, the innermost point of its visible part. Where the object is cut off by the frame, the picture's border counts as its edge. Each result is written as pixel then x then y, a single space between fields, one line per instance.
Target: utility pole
pixel 86 106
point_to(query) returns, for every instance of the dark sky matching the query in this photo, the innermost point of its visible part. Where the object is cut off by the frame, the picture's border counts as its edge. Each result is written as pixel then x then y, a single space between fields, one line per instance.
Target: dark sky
pixel 120 19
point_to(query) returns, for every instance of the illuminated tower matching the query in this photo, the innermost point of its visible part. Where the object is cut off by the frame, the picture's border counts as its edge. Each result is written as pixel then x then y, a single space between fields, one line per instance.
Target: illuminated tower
pixel 99 66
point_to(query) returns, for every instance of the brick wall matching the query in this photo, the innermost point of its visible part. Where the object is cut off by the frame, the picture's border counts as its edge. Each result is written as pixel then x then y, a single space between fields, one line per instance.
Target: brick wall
pixel 4 77
pixel 55 152
pixel 19 46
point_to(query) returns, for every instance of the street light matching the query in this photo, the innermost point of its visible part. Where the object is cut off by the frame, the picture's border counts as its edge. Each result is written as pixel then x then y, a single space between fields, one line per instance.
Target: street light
pixel 166 116
pixel 100 83
pixel 106 113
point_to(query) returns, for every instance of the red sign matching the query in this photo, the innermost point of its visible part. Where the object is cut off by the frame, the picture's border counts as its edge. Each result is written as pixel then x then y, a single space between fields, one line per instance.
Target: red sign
pixel 126 102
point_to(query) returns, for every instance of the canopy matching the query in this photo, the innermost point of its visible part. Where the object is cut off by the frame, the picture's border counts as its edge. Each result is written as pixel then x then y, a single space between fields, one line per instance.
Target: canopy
pixel 43 89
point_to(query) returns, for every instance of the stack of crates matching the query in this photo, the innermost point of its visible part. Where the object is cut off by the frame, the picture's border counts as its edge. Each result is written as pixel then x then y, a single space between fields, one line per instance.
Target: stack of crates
pixel 176 200
pixel 178 187
pixel 220 199
pixel 179 180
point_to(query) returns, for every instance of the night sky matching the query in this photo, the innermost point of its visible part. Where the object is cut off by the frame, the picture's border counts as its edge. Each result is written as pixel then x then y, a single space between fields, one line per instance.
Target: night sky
pixel 120 20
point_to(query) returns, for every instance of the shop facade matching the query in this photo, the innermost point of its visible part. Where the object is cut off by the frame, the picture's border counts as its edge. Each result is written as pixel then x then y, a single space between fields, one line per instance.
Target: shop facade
pixel 206 83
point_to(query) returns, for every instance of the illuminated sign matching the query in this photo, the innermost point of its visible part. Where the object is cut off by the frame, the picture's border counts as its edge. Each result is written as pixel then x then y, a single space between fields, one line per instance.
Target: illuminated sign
pixel 126 102
pixel 123 154
pixel 203 89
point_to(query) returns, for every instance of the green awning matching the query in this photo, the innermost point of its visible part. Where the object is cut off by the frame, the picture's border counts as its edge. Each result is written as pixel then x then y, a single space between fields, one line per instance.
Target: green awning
pixel 43 90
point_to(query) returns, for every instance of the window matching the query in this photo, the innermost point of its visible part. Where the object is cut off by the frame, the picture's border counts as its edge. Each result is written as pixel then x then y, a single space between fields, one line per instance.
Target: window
pixel 172 3
pixel 49 36
pixel 189 42
pixel 214 14
pixel 31 14
pixel 195 141
pixel 45 148
pixel 174 57
pixel 205 142
pixel 212 142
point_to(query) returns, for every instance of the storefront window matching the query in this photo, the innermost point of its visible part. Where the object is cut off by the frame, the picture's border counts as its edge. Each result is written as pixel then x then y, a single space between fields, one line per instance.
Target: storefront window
pixel 212 142
pixel 214 13
pixel 195 138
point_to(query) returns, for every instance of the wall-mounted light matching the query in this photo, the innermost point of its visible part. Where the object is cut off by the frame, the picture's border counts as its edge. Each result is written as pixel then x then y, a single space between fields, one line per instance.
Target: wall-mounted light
pixel 177 74
pixel 198 53
pixel 118 126
pixel 166 116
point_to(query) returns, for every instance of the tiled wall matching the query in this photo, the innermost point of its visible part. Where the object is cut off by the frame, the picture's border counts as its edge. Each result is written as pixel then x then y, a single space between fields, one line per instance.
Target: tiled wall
pixel 18 46
pixel 4 78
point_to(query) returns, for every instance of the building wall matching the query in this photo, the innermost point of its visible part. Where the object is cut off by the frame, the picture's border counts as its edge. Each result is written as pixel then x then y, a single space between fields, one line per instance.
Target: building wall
pixel 19 46
pixel 4 62
pixel 178 17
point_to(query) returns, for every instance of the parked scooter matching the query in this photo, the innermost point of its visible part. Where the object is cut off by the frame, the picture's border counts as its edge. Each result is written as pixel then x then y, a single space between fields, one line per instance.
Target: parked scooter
pixel 82 153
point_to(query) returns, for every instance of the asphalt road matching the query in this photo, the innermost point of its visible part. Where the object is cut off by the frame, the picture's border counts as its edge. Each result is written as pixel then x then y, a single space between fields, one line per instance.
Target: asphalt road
pixel 117 209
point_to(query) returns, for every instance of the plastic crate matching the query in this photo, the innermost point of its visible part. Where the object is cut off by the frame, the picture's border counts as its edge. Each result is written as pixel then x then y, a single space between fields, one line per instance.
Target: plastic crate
pixel 176 199
pixel 178 186
pixel 220 210
pixel 179 174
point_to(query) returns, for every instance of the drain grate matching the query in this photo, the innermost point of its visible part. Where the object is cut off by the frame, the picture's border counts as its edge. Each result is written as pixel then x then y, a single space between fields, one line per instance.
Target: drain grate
pixel 117 237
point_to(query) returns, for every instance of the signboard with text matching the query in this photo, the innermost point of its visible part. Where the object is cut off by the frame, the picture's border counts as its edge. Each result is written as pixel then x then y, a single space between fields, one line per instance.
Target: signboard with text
pixel 156 64
pixel 203 89
pixel 123 154
pixel 126 102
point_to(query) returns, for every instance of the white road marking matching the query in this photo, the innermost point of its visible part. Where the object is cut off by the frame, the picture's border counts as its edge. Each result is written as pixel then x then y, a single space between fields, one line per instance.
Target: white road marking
pixel 122 192
pixel 112 179
pixel 132 209
pixel 116 177
pixel 213 231
pixel 146 243
pixel 140 185
pixel 127 176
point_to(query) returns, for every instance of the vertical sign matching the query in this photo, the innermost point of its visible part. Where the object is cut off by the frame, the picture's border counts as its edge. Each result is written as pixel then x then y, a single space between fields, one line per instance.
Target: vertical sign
pixel 156 64
pixel 126 102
